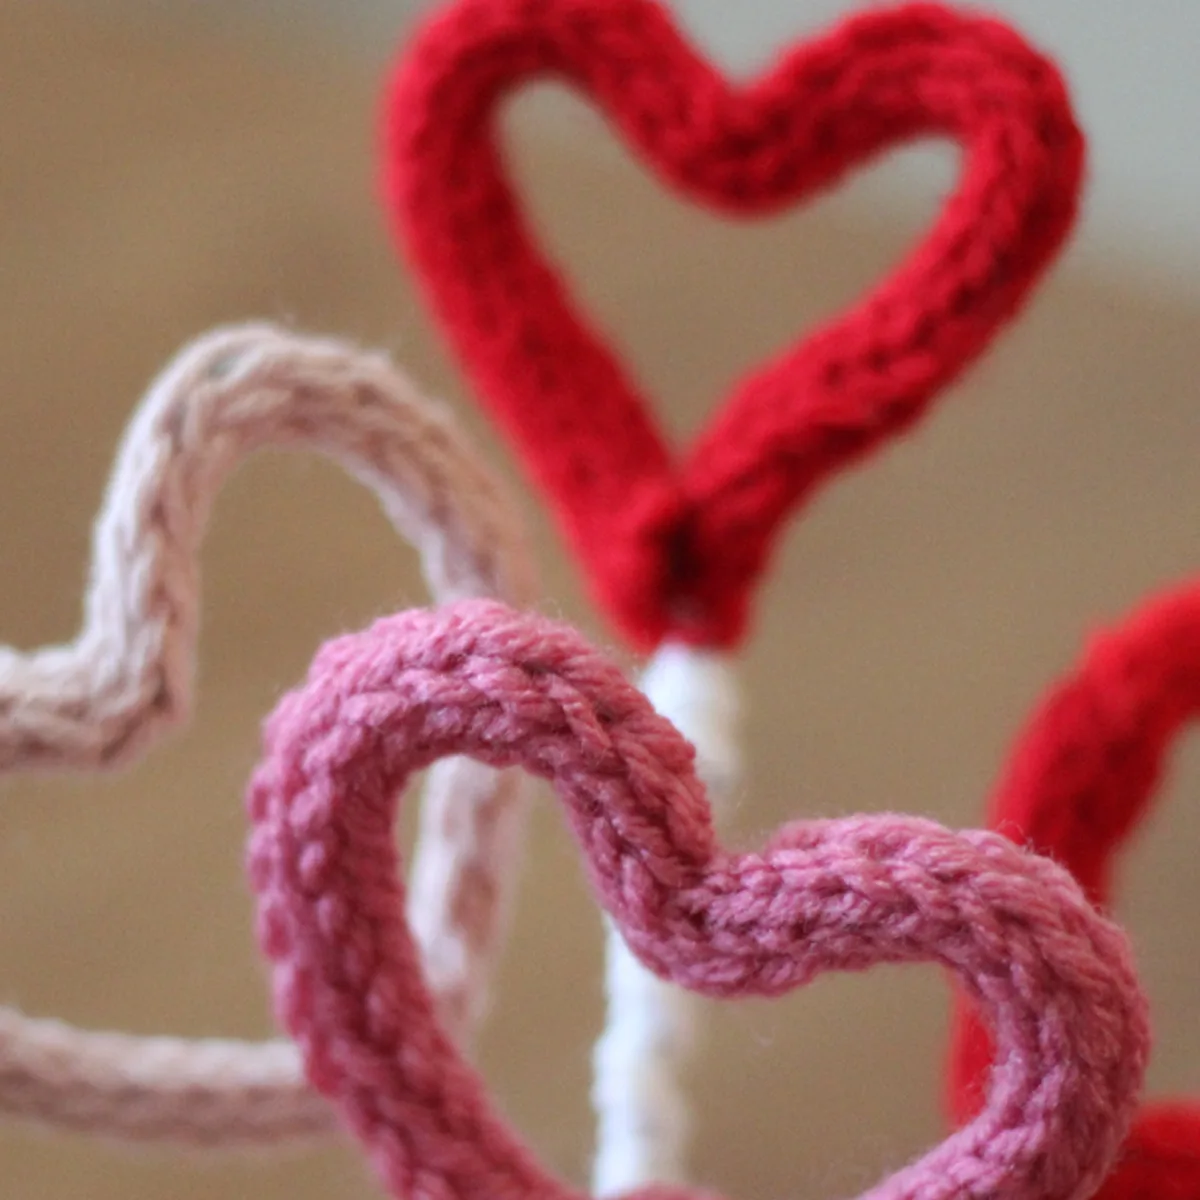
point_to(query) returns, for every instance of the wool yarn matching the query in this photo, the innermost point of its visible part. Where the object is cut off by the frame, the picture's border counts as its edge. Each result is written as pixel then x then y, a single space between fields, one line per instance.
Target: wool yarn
pixel 673 550
pixel 103 700
pixel 1077 785
pixel 508 689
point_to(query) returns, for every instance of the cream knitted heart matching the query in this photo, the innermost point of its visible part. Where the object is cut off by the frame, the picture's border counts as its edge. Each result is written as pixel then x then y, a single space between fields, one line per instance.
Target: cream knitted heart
pixel 108 696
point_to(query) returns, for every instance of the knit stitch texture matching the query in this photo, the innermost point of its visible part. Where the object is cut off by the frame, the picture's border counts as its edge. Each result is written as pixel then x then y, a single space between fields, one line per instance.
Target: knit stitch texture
pixel 105 698
pixel 1053 976
pixel 643 1116
pixel 673 550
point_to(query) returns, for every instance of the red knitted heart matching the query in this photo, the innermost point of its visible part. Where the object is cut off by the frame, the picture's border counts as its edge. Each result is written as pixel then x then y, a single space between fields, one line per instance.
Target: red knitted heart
pixel 511 689
pixel 674 551
pixel 1078 783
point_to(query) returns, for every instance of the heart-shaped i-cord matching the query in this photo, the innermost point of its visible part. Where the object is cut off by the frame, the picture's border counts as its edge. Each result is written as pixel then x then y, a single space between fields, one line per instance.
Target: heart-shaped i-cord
pixel 1053 975
pixel 104 698
pixel 672 550
pixel 1080 780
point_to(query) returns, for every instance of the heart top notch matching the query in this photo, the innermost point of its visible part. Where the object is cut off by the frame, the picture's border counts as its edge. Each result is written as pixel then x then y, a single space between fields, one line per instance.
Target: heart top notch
pixel 673 550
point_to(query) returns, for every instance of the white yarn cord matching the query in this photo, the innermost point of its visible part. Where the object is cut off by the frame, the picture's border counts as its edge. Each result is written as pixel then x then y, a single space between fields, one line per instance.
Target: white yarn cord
pixel 643 1120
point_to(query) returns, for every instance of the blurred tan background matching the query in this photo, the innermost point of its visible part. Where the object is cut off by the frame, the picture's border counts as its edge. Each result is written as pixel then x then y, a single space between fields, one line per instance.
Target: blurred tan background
pixel 160 176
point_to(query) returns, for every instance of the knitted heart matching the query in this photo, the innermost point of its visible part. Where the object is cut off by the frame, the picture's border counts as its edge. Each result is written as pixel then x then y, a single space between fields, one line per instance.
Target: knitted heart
pixel 1076 787
pixel 104 698
pixel 674 550
pixel 475 678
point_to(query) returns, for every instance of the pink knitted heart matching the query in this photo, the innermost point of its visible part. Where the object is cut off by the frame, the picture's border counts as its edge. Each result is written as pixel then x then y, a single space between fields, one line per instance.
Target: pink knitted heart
pixel 475 678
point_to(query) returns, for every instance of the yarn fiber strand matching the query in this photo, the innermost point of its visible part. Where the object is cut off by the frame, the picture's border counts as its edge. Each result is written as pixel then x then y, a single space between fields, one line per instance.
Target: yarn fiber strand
pixel 104 699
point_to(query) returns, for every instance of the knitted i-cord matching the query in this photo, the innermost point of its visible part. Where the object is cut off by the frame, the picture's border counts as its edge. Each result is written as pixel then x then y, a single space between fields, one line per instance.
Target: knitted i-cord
pixel 102 700
pixel 673 550
pixel 1081 778
pixel 1053 976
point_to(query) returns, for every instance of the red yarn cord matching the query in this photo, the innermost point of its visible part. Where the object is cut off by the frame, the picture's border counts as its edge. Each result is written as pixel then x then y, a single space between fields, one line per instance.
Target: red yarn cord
pixel 674 550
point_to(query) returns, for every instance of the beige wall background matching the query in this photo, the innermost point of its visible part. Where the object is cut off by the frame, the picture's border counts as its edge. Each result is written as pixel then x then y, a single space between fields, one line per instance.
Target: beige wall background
pixel 161 176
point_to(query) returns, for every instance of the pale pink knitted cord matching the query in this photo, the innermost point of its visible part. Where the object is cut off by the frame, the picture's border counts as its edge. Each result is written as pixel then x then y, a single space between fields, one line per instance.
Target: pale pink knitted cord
pixel 104 698
pixel 1054 976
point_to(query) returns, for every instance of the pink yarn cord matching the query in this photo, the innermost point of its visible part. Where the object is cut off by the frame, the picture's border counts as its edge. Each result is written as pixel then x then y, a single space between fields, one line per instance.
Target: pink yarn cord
pixel 105 698
pixel 1054 977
